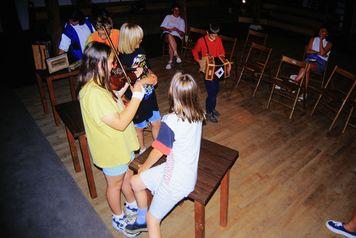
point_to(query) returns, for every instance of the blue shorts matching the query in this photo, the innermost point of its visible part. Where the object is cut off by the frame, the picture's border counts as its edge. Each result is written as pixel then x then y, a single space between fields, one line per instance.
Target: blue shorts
pixel 318 63
pixel 118 170
pixel 155 116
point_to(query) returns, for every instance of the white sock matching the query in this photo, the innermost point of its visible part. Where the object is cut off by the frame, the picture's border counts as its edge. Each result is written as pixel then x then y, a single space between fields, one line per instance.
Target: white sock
pixel 117 217
pixel 176 54
pixel 132 204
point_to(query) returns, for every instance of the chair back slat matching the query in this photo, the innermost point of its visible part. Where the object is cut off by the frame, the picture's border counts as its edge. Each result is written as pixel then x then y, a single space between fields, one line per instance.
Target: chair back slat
pixel 39 56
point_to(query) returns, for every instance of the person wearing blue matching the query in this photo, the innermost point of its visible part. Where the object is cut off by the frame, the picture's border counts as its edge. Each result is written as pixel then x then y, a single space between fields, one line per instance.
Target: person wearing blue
pixel 75 34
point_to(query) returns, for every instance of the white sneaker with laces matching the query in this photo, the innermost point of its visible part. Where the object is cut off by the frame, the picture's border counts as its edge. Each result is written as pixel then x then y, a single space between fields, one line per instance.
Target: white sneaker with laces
pixel 178 60
pixel 169 65
pixel 120 224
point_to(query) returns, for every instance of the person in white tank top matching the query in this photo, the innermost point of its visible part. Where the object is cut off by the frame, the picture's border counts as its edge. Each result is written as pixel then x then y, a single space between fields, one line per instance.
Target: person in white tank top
pixel 317 51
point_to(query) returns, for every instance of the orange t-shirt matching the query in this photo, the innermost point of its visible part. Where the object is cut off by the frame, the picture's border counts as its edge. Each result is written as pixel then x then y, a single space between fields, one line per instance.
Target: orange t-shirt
pixel 114 36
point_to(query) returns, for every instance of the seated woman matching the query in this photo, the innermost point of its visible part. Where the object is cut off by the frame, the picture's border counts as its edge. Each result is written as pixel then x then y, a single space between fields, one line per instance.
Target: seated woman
pixel 318 51
pixel 173 27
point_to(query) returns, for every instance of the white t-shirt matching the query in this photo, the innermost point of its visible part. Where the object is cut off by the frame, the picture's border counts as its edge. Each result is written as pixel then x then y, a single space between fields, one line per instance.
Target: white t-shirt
pixel 316 47
pixel 83 32
pixel 172 21
pixel 180 141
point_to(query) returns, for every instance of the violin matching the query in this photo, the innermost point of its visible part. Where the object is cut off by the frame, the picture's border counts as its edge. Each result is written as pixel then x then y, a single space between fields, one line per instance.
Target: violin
pixel 119 76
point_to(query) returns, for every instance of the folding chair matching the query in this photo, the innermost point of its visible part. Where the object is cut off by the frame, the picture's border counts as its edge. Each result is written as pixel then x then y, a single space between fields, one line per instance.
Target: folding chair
pixel 336 92
pixel 40 54
pixel 289 90
pixel 349 117
pixel 253 36
pixel 255 64
pixel 190 39
pixel 229 44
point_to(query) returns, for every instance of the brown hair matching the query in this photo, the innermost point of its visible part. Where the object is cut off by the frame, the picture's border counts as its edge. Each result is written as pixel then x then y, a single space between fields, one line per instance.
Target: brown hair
pixel 183 97
pixel 96 56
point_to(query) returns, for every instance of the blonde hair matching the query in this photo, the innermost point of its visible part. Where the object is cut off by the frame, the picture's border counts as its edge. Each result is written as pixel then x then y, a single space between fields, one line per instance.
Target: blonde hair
pixel 131 36
pixel 183 97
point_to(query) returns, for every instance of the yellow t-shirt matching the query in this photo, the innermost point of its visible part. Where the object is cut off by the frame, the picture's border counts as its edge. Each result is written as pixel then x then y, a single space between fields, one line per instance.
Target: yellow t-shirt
pixel 109 147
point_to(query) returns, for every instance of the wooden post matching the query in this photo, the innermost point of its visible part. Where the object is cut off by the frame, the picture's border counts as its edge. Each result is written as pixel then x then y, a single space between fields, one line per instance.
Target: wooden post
pixel 199 219
pixel 41 86
pixel 224 199
pixel 54 21
pixel 52 99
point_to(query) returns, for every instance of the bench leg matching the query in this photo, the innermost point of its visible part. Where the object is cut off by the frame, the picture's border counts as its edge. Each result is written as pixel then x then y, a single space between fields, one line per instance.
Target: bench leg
pixel 199 220
pixel 52 99
pixel 73 150
pixel 42 92
pixel 224 199
pixel 87 165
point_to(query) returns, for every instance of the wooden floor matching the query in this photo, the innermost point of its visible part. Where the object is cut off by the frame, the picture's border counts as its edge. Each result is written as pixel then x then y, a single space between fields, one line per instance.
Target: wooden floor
pixel 290 178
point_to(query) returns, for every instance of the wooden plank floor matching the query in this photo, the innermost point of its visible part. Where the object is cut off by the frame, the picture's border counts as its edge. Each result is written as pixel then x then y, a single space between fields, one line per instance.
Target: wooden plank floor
pixel 290 178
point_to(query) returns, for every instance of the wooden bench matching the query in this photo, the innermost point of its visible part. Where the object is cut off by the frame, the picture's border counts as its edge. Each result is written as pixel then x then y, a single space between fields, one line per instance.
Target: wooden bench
pixel 71 116
pixel 42 77
pixel 214 166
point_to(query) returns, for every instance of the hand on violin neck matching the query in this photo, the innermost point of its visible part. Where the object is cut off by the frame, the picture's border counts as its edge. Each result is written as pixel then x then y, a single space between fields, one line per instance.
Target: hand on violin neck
pixel 150 79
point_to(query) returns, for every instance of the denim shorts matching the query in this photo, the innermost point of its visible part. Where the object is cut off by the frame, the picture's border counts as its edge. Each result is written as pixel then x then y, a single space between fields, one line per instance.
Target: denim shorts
pixel 155 116
pixel 118 170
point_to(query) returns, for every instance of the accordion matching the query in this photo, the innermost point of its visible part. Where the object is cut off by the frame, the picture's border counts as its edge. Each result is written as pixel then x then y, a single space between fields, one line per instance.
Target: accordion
pixel 216 67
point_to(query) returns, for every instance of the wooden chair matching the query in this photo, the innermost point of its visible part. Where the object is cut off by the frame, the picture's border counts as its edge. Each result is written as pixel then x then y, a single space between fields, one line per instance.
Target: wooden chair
pixel 230 45
pixel 253 36
pixel 255 64
pixel 289 89
pixel 190 39
pixel 336 92
pixel 40 54
pixel 349 117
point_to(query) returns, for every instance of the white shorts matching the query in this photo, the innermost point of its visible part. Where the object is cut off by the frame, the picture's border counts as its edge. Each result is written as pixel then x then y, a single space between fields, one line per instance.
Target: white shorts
pixel 164 198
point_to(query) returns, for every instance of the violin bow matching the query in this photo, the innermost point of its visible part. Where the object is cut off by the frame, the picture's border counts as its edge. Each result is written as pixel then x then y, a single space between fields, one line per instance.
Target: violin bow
pixel 116 54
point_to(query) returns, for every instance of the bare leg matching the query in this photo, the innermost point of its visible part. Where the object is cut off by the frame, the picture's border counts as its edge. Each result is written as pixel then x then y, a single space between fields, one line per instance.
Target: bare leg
pixel 113 193
pixel 141 141
pixel 300 74
pixel 153 226
pixel 172 46
pixel 126 187
pixel 140 191
pixel 351 225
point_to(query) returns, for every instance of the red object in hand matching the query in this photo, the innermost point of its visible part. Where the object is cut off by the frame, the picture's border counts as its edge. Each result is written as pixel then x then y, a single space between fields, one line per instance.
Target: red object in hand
pixel 118 79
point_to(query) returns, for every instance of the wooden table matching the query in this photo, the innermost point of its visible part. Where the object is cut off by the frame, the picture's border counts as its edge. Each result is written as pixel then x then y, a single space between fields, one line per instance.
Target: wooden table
pixel 71 116
pixel 43 75
pixel 214 166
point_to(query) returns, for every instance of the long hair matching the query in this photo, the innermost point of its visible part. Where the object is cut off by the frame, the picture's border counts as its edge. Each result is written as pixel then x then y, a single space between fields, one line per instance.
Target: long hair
pixel 183 97
pixel 130 38
pixel 95 57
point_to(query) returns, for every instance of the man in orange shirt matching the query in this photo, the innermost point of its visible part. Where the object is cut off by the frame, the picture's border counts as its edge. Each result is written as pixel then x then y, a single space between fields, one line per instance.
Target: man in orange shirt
pixel 210 44
pixel 104 21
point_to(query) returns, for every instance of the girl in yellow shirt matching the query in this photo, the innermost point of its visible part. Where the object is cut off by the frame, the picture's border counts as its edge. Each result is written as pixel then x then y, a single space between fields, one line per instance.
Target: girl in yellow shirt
pixel 111 135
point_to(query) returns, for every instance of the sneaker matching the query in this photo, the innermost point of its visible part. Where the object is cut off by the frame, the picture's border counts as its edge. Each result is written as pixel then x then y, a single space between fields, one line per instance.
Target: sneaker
pixel 293 77
pixel 178 60
pixel 277 87
pixel 121 224
pixel 211 117
pixel 169 66
pixel 338 228
pixel 215 113
pixel 136 228
pixel 130 211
